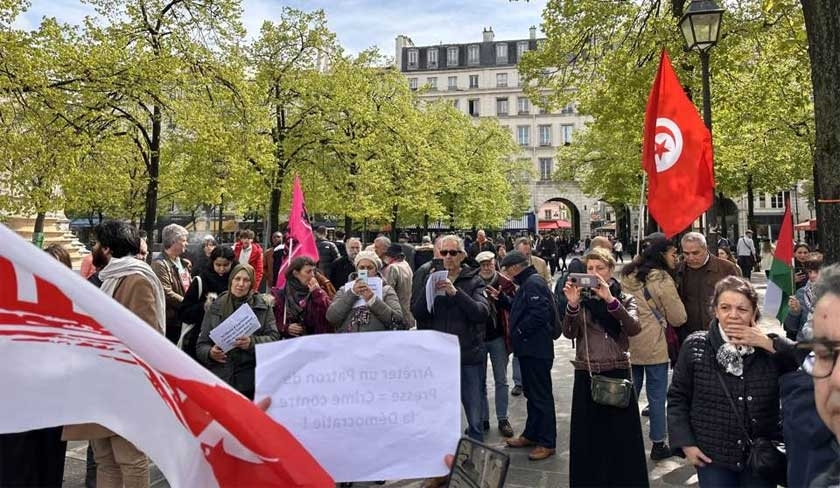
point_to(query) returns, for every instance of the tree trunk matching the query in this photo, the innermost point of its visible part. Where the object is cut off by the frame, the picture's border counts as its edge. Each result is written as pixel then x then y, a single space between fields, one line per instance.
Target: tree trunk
pixel 395 210
pixel 348 226
pixel 425 224
pixel 150 217
pixel 750 206
pixel 822 23
pixel 38 230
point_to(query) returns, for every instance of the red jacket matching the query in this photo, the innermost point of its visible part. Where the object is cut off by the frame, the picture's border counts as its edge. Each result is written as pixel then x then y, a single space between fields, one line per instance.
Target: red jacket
pixel 255 260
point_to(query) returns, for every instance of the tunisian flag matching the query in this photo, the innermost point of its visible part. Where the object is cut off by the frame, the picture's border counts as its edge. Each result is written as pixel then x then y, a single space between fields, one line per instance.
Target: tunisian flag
pixel 676 154
pixel 71 355
pixel 300 237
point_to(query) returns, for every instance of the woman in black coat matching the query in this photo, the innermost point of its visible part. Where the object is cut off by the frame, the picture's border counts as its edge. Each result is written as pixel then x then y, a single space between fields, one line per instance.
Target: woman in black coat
pixel 736 353
pixel 204 288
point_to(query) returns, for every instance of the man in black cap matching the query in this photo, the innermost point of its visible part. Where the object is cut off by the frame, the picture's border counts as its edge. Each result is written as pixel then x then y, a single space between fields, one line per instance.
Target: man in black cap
pixel 532 337
pixel 399 275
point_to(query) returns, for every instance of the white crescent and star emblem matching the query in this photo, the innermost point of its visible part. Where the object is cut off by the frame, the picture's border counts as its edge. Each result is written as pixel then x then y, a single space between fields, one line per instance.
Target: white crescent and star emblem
pixel 668 144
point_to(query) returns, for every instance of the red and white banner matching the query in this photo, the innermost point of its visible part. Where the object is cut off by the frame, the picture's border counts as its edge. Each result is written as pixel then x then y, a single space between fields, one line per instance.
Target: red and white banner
pixel 300 237
pixel 69 355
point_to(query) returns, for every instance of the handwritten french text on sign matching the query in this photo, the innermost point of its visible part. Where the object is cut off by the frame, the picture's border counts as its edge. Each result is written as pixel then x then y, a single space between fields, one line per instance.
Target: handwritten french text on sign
pixel 369 406
pixel 241 323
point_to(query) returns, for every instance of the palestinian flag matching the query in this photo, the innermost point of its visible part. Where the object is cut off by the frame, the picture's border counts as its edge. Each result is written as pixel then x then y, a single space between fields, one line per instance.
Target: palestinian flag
pixel 780 284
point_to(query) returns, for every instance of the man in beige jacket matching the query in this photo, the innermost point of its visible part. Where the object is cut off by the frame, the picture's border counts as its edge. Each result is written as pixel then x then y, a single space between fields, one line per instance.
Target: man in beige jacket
pixel 132 283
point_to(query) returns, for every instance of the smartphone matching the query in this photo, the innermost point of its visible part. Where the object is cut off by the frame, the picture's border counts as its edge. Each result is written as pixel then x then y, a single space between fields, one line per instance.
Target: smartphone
pixel 362 275
pixel 584 280
pixel 437 264
pixel 478 466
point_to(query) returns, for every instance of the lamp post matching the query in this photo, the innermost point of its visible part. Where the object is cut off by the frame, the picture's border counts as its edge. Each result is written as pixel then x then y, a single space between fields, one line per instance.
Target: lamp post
pixel 700 26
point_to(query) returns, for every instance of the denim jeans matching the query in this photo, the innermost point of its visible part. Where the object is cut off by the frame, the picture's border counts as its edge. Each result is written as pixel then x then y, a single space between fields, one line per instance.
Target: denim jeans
pixel 471 398
pixel 517 373
pixel 717 477
pixel 656 388
pixel 498 360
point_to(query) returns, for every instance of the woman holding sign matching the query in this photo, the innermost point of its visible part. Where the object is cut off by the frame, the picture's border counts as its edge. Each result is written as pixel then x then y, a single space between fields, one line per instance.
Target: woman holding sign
pixel 366 303
pixel 237 365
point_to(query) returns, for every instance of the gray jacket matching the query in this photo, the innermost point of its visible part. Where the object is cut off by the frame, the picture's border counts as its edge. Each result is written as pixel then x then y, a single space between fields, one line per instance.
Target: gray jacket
pixel 238 371
pixel 385 312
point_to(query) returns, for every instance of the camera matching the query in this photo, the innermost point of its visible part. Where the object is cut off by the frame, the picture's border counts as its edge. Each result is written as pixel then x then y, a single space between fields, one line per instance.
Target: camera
pixel 362 275
pixel 584 280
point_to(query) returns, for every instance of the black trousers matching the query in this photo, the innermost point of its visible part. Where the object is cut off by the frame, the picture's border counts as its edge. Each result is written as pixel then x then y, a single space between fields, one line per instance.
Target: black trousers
pixel 746 265
pixel 541 425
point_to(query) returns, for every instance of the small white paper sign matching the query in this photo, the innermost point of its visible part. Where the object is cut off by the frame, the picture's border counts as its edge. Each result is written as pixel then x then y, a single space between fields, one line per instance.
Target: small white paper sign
pixel 241 323
pixel 375 285
pixel 368 406
pixel 431 287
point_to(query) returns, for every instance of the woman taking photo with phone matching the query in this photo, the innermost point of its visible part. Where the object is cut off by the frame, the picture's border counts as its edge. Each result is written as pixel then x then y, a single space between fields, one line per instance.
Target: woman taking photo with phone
pixel 606 445
pixel 377 313
pixel 724 392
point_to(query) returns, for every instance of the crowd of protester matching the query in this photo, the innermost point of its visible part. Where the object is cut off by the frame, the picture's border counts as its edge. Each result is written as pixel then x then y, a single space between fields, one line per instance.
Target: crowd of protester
pixel 677 320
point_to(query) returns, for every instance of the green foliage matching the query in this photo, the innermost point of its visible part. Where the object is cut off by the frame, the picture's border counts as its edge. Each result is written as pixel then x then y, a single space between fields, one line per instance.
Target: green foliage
pixel 604 55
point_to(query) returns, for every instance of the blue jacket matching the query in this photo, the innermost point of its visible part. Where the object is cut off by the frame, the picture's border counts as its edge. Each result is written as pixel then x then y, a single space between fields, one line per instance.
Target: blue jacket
pixel 531 317
pixel 463 314
pixel 793 322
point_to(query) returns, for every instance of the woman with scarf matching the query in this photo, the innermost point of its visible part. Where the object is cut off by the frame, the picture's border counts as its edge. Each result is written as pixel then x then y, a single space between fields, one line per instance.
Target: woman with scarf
pixel 236 367
pixel 301 305
pixel 733 360
pixel 801 304
pixel 606 445
pixel 205 287
pixel 377 313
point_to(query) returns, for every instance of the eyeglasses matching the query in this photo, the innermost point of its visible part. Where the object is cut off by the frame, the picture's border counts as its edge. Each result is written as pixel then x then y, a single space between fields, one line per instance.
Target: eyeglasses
pixel 820 363
pixel 449 252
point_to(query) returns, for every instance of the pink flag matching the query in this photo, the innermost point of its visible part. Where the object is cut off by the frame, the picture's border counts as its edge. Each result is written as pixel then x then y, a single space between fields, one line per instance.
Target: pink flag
pixel 71 355
pixel 301 241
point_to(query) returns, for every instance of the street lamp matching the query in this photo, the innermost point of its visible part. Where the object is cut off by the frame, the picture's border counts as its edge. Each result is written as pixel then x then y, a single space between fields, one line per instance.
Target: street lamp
pixel 700 26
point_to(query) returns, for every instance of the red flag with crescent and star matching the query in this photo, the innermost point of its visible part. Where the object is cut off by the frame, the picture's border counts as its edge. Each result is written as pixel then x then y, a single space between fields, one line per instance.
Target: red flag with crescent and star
pixel 676 154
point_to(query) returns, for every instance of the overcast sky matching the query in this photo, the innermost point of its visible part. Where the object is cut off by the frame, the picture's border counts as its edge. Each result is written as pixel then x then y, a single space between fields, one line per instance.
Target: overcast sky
pixel 360 24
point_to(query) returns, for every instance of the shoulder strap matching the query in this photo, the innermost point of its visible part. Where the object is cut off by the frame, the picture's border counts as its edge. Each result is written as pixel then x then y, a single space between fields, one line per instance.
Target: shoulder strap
pixel 734 408
pixel 653 308
pixel 200 290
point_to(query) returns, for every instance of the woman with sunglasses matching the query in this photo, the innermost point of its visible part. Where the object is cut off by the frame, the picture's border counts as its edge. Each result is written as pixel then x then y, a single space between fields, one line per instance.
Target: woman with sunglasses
pixel 724 391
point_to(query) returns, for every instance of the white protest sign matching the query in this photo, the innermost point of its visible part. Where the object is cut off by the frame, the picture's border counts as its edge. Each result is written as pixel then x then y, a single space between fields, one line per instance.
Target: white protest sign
pixel 368 406
pixel 431 287
pixel 241 323
pixel 375 285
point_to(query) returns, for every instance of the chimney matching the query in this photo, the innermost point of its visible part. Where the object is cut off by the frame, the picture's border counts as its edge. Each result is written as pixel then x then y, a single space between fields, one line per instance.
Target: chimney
pixel 488 34
pixel 533 32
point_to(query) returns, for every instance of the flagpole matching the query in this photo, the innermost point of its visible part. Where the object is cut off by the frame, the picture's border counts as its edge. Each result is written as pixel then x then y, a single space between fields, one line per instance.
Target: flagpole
pixel 641 214
pixel 288 260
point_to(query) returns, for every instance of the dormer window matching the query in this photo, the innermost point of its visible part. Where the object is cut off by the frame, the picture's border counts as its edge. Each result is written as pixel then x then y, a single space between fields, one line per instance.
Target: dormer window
pixel 412 59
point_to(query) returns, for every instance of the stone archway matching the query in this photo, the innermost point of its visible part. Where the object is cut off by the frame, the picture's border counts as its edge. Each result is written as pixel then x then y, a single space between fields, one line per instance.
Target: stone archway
pixel 571 213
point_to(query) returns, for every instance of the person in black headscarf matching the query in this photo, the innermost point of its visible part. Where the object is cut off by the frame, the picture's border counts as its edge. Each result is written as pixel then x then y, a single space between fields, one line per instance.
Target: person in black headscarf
pixel 237 366
pixel 204 288
pixel 606 447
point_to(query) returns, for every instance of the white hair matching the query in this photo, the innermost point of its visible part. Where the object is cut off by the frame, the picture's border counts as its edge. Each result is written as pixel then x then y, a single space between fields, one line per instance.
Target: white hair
pixel 695 237
pixel 453 238
pixel 171 234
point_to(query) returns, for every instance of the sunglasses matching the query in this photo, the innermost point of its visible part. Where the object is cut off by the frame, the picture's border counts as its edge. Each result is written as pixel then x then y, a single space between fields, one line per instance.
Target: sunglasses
pixel 449 252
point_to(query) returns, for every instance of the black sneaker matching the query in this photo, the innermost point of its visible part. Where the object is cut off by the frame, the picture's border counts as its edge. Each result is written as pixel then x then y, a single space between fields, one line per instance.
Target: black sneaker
pixel 660 451
pixel 485 425
pixel 646 411
pixel 516 391
pixel 505 428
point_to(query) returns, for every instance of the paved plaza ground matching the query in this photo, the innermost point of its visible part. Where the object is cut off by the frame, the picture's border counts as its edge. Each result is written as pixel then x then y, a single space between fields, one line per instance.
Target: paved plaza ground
pixel 523 473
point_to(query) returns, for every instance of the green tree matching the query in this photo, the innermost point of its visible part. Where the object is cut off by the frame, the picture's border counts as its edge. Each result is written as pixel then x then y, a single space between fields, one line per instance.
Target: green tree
pixel 603 55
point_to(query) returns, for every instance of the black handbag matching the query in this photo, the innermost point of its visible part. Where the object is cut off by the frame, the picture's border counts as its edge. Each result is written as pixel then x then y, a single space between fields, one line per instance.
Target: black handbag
pixel 766 458
pixel 612 392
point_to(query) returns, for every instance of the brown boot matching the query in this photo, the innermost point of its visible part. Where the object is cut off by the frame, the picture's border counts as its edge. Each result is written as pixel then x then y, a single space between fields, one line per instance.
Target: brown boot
pixel 519 442
pixel 539 453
